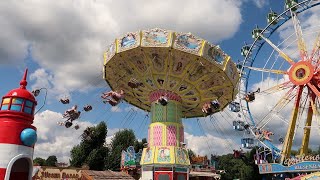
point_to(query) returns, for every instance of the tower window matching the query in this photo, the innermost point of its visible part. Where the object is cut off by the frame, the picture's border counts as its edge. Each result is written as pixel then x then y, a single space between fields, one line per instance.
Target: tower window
pixel 5 104
pixel 28 107
pixel 16 104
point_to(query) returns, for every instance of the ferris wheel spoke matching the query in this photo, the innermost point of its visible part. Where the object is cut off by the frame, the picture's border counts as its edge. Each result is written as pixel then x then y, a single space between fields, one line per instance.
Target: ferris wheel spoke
pixel 316 51
pixel 314 109
pixel 267 70
pixel 306 133
pixel 283 101
pixel 298 31
pixel 281 53
pixel 314 89
pixel 278 87
pixel 291 129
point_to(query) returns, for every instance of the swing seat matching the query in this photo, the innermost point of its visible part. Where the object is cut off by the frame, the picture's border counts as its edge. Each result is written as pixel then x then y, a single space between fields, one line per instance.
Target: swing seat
pixel 64 101
pixel 68 124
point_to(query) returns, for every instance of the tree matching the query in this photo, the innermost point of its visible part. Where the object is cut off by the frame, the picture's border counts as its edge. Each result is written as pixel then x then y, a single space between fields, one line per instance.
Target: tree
pixel 91 150
pixel 191 154
pixel 96 158
pixel 243 168
pixel 139 144
pixel 121 141
pixel 51 161
pixel 39 161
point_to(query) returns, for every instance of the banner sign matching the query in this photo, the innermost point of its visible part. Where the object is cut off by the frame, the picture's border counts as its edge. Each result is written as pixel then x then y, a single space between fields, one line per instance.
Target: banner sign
pixel 304 166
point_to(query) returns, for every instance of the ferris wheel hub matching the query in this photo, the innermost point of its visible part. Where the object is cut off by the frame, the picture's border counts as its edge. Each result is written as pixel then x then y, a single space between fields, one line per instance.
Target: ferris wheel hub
pixel 301 73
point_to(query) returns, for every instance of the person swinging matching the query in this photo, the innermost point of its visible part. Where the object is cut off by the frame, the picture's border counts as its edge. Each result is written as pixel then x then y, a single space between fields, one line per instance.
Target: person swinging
pixel 115 99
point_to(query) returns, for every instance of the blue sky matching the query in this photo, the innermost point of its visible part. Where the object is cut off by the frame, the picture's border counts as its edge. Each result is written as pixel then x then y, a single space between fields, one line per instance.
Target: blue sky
pixel 62 45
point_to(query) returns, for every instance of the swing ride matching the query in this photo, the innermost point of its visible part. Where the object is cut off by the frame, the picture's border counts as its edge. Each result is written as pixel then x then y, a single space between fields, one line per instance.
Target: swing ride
pixel 172 75
pixel 289 82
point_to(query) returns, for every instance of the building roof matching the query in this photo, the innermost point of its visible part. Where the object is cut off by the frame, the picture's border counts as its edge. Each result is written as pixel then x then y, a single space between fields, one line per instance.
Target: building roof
pixel 204 174
pixel 106 174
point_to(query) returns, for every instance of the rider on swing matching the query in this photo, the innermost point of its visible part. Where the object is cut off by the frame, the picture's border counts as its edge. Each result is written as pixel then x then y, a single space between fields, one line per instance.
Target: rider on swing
pixel 115 97
pixel 163 100
pixel 251 96
pixel 209 107
pixel 72 114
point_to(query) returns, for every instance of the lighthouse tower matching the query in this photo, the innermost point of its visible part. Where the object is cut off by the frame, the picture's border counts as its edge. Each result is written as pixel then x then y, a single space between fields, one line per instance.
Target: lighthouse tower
pixel 17 135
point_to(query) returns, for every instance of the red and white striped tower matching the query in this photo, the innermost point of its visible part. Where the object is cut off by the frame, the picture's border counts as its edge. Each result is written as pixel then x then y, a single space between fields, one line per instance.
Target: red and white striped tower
pixel 17 135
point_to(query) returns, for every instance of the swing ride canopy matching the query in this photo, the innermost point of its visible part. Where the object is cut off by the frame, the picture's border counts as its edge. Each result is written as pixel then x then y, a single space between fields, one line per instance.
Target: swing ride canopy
pixel 181 65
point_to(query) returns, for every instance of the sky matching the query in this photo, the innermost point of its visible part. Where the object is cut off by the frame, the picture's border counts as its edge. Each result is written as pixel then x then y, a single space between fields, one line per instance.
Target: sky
pixel 62 45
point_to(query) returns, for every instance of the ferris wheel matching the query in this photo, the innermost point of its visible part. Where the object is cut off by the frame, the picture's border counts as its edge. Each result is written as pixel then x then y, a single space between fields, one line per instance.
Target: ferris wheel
pixel 280 82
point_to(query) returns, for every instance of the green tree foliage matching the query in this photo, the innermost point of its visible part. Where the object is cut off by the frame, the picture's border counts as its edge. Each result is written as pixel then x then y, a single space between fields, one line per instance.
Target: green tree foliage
pixel 121 141
pixel 51 161
pixel 91 151
pixel 96 158
pixel 139 144
pixel 39 161
pixel 239 168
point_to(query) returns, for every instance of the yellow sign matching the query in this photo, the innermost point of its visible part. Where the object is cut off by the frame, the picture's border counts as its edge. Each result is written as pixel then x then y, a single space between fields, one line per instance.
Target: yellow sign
pixel 57 173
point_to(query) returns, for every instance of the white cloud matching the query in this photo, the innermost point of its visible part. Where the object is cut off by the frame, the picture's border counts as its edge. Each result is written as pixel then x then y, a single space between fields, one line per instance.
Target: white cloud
pixel 42 79
pixel 260 3
pixel 67 38
pixel 206 145
pixel 310 29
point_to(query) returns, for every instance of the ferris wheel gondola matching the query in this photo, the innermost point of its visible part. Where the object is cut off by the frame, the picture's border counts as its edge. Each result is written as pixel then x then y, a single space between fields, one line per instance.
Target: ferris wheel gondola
pixel 234 106
pixel 272 18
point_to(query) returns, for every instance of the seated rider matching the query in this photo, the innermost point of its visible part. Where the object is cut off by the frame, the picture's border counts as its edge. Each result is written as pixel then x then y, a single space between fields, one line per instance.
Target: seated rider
pixel 70 111
pixel 72 114
pixel 76 127
pixel 206 108
pixel 267 134
pixel 215 104
pixel 65 101
pixel 251 95
pixel 115 97
pixel 163 100
pixel 36 92
pixel 87 108
pixel 112 102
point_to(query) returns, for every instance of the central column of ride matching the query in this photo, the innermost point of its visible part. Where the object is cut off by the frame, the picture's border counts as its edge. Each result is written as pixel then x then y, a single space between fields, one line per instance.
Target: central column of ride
pixel 165 156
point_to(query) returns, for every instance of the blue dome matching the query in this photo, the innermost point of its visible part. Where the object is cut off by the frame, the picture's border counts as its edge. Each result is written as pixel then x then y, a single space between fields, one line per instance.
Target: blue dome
pixel 28 137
